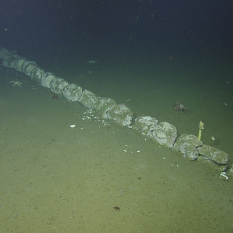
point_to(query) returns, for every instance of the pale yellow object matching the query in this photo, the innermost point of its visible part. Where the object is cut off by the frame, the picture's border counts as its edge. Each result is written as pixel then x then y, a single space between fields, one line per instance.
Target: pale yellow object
pixel 201 127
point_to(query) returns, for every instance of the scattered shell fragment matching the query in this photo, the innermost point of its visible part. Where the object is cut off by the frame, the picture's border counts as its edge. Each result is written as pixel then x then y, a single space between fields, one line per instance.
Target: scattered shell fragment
pixel 213 138
pixel 72 126
pixel 223 175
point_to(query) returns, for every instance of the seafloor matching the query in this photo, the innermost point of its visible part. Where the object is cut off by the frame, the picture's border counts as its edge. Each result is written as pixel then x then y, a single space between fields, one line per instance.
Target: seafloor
pixel 58 179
